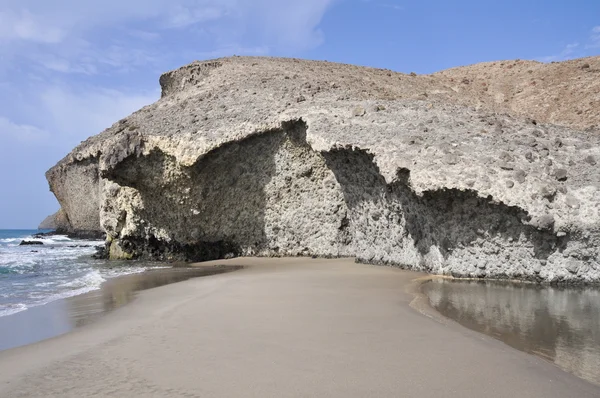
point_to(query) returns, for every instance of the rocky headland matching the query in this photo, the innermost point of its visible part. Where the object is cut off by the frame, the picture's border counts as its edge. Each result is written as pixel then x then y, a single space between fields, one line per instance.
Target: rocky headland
pixel 481 171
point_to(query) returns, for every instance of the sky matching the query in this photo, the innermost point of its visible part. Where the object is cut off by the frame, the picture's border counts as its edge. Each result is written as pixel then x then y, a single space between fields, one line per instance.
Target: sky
pixel 71 68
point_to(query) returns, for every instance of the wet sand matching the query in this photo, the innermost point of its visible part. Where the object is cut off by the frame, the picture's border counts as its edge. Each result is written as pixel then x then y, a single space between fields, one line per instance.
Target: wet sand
pixel 561 324
pixel 62 316
pixel 280 328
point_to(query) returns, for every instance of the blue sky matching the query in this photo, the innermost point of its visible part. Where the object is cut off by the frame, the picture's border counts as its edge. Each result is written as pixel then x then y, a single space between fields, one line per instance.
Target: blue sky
pixel 70 68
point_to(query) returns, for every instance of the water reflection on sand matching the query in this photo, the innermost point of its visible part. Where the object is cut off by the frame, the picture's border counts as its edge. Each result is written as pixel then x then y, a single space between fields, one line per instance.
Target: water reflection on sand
pixel 61 316
pixel 560 324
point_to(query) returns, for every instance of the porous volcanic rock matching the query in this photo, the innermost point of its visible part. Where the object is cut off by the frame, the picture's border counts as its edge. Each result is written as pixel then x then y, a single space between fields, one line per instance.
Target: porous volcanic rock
pixel 283 157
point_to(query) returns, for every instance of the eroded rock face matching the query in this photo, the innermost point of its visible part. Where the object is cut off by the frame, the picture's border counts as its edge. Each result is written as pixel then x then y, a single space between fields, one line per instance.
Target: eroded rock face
pixel 78 188
pixel 230 162
pixel 267 194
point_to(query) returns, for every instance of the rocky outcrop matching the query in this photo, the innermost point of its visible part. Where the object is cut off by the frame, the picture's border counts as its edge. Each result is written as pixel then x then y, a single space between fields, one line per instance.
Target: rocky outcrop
pixel 57 222
pixel 30 243
pixel 259 156
pixel 49 222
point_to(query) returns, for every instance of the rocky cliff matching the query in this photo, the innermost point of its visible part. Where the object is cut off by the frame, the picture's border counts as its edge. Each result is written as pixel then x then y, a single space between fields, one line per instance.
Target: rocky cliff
pixel 483 171
pixel 54 221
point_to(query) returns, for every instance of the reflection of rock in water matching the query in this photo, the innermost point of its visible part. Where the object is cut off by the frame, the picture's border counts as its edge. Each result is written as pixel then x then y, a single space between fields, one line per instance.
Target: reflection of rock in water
pixel 562 325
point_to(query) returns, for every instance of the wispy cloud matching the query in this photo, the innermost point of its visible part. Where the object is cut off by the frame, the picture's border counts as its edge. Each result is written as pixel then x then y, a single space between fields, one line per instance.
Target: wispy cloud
pixel 23 25
pixel 577 50
pixel 594 38
pixel 385 4
pixel 76 113
pixel 75 67
pixel 568 52
pixel 22 132
pixel 71 68
pixel 71 114
pixel 143 35
pixel 93 41
pixel 183 16
pixel 392 6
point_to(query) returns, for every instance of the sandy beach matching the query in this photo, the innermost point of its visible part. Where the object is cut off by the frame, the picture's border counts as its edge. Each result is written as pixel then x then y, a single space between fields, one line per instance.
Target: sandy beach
pixel 280 328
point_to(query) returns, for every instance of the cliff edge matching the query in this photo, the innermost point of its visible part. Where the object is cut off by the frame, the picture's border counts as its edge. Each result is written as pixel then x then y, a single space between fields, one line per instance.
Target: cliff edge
pixel 482 171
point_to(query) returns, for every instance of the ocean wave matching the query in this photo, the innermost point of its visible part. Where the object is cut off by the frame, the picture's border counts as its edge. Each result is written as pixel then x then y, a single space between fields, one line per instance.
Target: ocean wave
pixel 25 258
pixel 92 279
pixel 17 262
pixel 54 240
pixel 7 270
pixel 86 286
pixel 33 276
pixel 89 282
pixel 10 240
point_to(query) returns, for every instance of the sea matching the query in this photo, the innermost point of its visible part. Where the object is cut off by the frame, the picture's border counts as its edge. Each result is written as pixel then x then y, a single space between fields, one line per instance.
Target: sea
pixel 32 276
pixel 560 324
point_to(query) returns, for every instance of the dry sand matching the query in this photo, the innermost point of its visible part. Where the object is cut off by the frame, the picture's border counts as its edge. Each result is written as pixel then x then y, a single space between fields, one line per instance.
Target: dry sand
pixel 280 328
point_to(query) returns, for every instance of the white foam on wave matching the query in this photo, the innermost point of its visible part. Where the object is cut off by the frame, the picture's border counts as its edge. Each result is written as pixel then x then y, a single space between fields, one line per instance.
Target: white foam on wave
pixel 10 240
pixel 11 309
pixel 52 240
pixel 92 279
pixel 63 265
pixel 20 262
pixel 45 284
pixel 87 283
pixel 24 257
pixel 57 240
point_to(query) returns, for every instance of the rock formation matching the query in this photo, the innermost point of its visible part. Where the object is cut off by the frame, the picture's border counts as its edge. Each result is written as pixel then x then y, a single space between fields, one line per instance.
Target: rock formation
pixel 57 221
pixel 482 171
pixel 49 222
pixel 30 243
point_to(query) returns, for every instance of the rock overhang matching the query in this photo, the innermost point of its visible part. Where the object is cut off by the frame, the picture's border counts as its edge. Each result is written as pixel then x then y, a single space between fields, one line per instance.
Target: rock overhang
pixel 497 156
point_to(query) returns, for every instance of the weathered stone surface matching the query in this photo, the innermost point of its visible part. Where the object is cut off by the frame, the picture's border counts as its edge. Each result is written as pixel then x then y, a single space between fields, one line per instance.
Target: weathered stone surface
pixel 591 160
pixel 228 162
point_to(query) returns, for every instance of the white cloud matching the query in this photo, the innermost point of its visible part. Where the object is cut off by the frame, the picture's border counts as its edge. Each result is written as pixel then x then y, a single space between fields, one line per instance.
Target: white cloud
pixel 71 115
pixel 292 24
pixel 54 21
pixel 181 16
pixel 79 113
pixel 568 52
pixel 390 5
pixel 58 19
pixel 23 25
pixel 594 38
pixel 575 50
pixel 143 34
pixel 71 68
pixel 59 64
pixel 123 35
pixel 75 67
pixel 22 132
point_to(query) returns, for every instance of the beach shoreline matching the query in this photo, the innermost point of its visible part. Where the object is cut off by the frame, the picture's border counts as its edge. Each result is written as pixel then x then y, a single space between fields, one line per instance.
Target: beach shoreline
pixel 280 327
pixel 57 317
